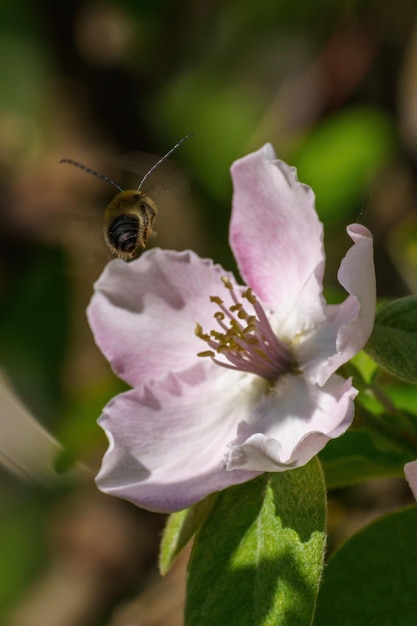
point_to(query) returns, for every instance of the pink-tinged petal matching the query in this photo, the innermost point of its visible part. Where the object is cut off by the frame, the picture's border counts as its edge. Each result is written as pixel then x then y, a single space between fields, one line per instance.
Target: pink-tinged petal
pixel 410 470
pixel 143 314
pixel 168 439
pixel 348 325
pixel 293 423
pixel 276 236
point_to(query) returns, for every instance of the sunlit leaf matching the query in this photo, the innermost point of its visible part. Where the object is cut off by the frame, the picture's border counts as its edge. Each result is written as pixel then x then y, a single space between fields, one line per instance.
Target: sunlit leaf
pixel 258 558
pixel 180 529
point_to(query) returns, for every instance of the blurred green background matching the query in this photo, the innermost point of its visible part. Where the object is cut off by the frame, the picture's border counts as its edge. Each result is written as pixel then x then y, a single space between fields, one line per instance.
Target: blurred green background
pixel 332 85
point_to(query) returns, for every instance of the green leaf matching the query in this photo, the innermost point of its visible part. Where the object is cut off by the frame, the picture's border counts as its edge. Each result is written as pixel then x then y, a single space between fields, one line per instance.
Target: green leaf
pixel 393 343
pixel 180 529
pixel 371 579
pixel 356 457
pixel 258 558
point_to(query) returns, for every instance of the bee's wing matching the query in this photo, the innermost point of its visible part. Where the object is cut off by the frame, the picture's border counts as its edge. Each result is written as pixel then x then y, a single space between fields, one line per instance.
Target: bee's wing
pixel 167 176
pixel 177 224
pixel 81 235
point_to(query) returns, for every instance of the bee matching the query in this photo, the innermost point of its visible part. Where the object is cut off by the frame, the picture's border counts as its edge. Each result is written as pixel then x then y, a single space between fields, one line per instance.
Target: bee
pixel 129 217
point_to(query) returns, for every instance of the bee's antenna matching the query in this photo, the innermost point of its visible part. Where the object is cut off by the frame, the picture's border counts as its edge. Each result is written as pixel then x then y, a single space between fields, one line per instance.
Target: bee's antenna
pixel 158 163
pixel 93 172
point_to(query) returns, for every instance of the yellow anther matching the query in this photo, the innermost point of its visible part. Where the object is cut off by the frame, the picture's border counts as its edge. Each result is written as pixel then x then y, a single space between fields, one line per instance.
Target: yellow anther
pixel 249 295
pixel 245 342
pixel 199 332
pixel 227 283
pixel 235 327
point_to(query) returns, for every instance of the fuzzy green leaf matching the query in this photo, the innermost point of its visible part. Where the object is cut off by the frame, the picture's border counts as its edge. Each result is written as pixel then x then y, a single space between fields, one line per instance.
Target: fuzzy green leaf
pixel 180 529
pixel 258 558
pixel 393 343
pixel 372 578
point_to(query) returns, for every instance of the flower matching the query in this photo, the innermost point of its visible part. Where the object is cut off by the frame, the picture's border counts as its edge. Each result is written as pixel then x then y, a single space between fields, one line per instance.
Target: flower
pixel 228 381
pixel 410 470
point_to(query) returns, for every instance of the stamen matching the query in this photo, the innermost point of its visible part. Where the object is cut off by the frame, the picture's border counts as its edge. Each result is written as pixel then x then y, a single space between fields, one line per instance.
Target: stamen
pixel 245 341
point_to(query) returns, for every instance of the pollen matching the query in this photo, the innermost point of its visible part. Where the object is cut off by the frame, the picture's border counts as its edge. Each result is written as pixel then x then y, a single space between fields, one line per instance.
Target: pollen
pixel 243 338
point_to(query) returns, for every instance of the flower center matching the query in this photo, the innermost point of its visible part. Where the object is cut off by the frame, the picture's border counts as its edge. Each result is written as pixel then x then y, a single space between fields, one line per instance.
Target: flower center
pixel 244 341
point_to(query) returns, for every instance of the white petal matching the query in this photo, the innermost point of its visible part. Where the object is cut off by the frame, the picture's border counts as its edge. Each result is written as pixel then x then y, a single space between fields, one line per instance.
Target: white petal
pixel 168 439
pixel 410 470
pixel 143 314
pixel 348 325
pixel 292 424
pixel 277 238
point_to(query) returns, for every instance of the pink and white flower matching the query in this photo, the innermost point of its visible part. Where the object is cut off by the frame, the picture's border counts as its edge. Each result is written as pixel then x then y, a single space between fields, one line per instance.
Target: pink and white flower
pixel 410 470
pixel 230 381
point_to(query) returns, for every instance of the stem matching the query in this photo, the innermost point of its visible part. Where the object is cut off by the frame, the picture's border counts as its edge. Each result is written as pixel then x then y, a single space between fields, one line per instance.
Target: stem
pixel 382 397
pixel 400 431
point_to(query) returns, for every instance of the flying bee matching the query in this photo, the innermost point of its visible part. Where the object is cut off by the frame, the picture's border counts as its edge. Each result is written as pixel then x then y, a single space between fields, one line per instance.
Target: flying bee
pixel 129 217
